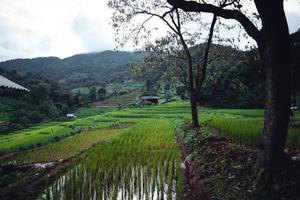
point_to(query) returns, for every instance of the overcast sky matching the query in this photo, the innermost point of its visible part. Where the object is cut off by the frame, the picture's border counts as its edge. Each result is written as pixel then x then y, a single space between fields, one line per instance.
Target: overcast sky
pixel 33 28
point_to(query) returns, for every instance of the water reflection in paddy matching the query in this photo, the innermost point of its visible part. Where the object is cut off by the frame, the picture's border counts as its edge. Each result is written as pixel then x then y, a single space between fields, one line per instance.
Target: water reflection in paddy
pixel 139 165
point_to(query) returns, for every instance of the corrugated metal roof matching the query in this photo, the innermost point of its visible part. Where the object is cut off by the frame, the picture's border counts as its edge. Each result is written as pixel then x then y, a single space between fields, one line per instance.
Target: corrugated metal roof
pixel 4 82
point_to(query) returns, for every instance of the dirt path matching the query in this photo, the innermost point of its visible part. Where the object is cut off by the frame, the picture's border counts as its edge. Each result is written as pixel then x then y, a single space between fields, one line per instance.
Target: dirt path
pixel 6 156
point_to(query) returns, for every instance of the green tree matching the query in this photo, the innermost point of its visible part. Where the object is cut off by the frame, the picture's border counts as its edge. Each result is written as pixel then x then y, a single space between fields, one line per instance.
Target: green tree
pixel 275 53
pixel 93 94
pixel 101 93
pixel 192 72
pixel 234 82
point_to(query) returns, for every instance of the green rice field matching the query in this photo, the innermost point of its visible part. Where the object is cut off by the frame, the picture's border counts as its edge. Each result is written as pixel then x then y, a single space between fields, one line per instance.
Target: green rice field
pixel 142 163
pixel 129 153
pixel 68 147
pixel 241 125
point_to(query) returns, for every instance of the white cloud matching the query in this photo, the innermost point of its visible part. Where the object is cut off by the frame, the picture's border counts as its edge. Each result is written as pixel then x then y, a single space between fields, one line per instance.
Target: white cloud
pixel 292 9
pixel 31 28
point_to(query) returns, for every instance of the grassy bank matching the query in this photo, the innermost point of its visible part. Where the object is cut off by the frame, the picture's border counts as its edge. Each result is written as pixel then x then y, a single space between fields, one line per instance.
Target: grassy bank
pixel 226 170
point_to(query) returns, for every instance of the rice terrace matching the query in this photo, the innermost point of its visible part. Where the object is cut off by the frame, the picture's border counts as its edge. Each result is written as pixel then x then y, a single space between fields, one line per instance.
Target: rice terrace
pixel 198 100
pixel 129 153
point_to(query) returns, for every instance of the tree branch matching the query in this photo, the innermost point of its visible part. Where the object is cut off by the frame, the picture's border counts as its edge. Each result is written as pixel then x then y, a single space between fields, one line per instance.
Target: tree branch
pixel 192 6
pixel 162 17
pixel 201 76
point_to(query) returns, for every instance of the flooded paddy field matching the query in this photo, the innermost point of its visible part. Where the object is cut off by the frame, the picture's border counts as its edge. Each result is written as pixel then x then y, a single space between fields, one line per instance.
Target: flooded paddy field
pixel 121 154
pixel 143 163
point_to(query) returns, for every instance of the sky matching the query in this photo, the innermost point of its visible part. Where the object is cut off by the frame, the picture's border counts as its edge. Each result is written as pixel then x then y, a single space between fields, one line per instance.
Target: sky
pixel 62 28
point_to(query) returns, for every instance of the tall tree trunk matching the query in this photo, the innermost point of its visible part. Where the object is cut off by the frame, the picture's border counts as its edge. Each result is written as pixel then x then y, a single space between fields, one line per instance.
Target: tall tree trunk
pixel 275 51
pixel 192 90
pixel 275 54
pixel 194 111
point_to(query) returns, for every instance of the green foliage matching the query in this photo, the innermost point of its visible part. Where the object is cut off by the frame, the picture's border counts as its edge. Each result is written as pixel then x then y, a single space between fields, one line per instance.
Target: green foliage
pixel 101 92
pixel 93 94
pixel 45 101
pixel 6 104
pixel 108 93
pixel 234 80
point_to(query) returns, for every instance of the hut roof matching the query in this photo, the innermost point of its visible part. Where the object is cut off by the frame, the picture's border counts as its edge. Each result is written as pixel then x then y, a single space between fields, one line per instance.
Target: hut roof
pixel 149 97
pixel 6 83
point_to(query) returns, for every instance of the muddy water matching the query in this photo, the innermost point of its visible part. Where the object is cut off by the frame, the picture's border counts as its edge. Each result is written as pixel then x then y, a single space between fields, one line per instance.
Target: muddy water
pixel 155 176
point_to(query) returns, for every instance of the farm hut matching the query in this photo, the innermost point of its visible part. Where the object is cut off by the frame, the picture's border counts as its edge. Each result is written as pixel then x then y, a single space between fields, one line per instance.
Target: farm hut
pixel 6 83
pixel 71 116
pixel 148 100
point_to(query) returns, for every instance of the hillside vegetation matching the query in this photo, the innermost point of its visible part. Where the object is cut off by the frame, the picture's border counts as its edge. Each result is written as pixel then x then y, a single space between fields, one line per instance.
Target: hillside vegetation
pixel 79 70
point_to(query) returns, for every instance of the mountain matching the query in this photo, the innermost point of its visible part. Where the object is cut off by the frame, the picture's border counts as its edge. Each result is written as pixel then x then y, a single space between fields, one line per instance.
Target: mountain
pixel 78 70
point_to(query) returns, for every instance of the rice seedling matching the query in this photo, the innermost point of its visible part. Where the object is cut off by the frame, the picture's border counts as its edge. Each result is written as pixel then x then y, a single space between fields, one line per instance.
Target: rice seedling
pixel 30 137
pixel 142 163
pixel 244 130
pixel 68 147
pixel 239 112
pixel 241 125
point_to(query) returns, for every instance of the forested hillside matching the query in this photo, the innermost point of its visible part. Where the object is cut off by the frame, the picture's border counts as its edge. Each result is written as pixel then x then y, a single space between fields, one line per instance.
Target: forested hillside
pixel 234 78
pixel 79 70
pixel 46 100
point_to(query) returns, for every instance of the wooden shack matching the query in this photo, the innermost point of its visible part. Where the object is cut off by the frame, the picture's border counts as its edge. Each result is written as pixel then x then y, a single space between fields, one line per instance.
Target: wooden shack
pixel 149 100
pixel 71 116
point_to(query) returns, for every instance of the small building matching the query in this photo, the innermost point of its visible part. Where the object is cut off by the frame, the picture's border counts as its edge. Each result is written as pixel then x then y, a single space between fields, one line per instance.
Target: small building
pixel 148 100
pixel 71 116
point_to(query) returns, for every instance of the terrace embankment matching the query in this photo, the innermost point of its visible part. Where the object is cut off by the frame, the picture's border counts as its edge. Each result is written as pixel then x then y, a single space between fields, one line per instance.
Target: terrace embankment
pixel 216 168
pixel 27 180
pixel 34 169
pixel 196 187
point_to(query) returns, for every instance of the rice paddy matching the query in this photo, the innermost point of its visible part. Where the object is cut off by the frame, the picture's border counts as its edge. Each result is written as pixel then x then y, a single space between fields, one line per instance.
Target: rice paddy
pixel 68 147
pixel 129 153
pixel 35 136
pixel 244 125
pixel 142 163
pixel 241 125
